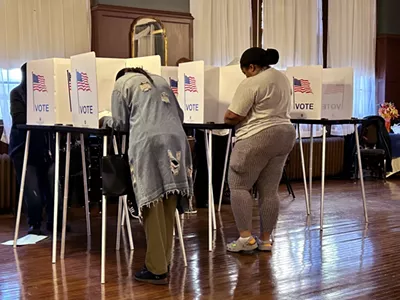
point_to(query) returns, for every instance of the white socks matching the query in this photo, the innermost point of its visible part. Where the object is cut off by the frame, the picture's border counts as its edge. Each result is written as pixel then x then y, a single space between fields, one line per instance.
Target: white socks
pixel 244 240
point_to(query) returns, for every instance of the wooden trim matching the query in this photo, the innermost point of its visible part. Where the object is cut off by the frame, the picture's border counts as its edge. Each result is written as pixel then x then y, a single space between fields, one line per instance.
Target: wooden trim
pixel 133 13
pixel 109 42
pixel 260 33
pixel 385 36
pixel 256 24
pixel 141 11
pixel 387 68
pixel 95 32
pixel 325 15
pixel 191 40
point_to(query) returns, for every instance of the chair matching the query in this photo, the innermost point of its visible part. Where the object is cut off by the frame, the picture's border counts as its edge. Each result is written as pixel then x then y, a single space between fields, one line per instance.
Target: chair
pixel 288 184
pixel 373 155
pixel 285 178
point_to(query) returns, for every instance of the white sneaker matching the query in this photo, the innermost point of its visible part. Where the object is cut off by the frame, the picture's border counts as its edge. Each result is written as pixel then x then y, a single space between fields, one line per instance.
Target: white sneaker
pixel 265 245
pixel 238 246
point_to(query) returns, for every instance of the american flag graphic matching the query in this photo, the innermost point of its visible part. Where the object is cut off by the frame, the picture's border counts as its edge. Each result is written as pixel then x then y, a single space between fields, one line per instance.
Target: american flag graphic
pixel 82 81
pixel 301 86
pixel 190 84
pixel 69 79
pixel 39 83
pixel 334 88
pixel 174 85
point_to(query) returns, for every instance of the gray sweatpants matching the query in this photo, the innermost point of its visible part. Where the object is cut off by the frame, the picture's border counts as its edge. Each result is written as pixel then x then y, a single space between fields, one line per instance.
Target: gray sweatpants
pixel 259 160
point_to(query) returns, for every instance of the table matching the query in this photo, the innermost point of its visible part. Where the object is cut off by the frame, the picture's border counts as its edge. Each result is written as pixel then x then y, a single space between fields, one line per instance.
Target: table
pixel 68 130
pixel 122 213
pixel 324 123
pixel 395 142
pixel 208 128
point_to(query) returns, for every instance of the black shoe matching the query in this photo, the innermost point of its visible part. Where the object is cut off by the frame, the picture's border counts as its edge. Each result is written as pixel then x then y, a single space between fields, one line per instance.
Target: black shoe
pixel 146 276
pixel 49 227
pixel 35 229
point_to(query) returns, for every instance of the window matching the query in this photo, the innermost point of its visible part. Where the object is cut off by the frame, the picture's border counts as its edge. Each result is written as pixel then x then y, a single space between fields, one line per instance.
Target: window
pixel 9 79
pixel 322 32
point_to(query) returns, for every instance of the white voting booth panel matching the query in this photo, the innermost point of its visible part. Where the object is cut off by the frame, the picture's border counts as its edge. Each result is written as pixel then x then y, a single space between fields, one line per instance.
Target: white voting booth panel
pixel 93 81
pixel 48 95
pixel 106 72
pixel 230 78
pixel 205 93
pixel 221 84
pixel 151 64
pixel 307 91
pixel 170 74
pixel 195 103
pixel 92 84
pixel 337 93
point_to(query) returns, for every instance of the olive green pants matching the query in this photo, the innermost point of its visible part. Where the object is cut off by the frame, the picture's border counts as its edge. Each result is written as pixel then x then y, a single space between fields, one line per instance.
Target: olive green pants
pixel 158 222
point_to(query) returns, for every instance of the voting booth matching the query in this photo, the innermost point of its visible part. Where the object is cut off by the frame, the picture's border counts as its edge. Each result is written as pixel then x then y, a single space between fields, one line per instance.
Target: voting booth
pixel 321 93
pixel 93 81
pixel 170 74
pixel 337 93
pixel 48 96
pixel 307 91
pixel 205 93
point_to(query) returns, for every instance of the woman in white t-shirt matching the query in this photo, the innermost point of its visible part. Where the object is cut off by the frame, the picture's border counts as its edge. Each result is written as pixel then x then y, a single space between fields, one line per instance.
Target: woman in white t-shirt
pixel 265 136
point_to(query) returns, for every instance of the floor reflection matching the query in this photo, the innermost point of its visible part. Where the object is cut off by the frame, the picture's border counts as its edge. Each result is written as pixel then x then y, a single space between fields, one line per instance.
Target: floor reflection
pixel 55 281
pixel 19 274
pixel 346 260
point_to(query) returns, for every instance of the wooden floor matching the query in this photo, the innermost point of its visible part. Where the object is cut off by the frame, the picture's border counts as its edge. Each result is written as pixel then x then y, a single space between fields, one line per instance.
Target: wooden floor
pixel 347 261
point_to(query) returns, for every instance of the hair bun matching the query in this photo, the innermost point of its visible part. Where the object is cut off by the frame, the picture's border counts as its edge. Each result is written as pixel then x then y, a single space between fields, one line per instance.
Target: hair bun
pixel 259 56
pixel 272 56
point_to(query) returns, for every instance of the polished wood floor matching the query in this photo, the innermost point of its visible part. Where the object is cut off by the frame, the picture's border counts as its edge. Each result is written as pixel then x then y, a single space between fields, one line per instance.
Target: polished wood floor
pixel 346 261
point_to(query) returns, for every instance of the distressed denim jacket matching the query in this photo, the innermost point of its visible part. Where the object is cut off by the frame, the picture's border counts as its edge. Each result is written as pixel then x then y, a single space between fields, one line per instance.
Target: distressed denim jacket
pixel 159 153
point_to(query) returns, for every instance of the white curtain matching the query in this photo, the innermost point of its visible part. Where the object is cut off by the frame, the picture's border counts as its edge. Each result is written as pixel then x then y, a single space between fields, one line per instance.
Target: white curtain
pixel 8 80
pixel 352 42
pixel 146 42
pixel 221 30
pixel 37 29
pixel 294 28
